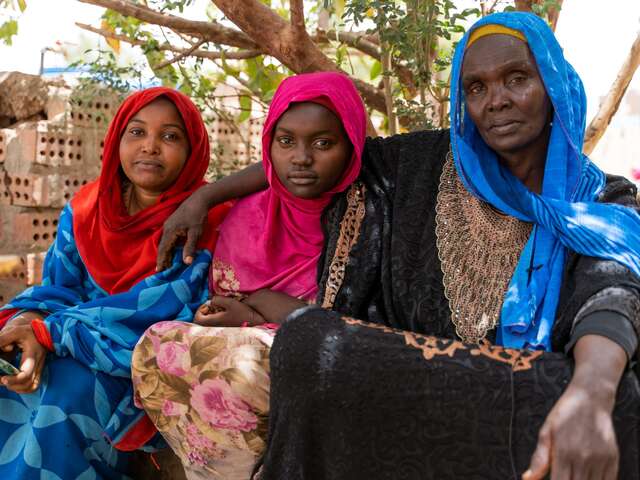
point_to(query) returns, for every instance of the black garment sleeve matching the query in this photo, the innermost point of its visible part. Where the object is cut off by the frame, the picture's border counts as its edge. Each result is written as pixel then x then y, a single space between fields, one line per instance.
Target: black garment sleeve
pixel 600 296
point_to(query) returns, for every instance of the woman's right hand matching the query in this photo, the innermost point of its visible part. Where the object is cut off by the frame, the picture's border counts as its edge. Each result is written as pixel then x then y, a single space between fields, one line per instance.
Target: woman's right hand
pixel 186 222
pixel 32 361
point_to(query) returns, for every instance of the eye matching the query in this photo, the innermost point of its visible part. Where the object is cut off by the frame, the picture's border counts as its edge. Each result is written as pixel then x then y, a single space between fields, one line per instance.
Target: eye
pixel 136 131
pixel 517 79
pixel 322 144
pixel 475 88
pixel 285 141
pixel 171 136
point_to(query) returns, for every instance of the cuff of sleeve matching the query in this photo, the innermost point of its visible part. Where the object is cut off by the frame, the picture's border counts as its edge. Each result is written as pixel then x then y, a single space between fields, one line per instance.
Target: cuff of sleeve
pixel 612 325
pixel 42 334
pixel 6 315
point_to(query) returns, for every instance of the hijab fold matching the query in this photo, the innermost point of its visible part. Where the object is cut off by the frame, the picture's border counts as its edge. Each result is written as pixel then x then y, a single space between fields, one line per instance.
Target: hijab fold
pixel 119 249
pixel 273 239
pixel 565 215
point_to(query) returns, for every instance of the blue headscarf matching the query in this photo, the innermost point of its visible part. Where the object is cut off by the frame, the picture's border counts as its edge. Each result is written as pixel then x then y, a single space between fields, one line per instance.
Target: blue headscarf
pixel 565 215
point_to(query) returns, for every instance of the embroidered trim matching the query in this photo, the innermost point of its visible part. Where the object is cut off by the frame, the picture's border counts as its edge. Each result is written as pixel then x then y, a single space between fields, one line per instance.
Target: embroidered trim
pixel 349 233
pixel 479 249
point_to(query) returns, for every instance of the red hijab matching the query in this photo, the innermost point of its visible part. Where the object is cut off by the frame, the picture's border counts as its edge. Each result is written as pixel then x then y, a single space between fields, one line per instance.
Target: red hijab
pixel 273 239
pixel 119 249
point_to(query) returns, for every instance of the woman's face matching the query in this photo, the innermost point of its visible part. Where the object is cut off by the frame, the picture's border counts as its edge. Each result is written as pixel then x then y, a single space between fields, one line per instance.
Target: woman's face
pixel 154 146
pixel 310 150
pixel 505 96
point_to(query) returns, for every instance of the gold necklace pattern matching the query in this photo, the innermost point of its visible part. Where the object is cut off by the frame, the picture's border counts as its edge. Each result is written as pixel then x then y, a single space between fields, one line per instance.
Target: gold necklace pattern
pixel 478 249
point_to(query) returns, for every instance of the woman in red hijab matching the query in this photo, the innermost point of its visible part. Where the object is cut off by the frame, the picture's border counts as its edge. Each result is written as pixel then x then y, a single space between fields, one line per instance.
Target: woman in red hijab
pixel 207 389
pixel 69 412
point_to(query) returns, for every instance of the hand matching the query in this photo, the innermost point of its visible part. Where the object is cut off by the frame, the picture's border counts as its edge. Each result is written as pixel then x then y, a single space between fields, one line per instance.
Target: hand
pixel 275 307
pixel 187 222
pixel 577 440
pixel 23 318
pixel 32 362
pixel 226 312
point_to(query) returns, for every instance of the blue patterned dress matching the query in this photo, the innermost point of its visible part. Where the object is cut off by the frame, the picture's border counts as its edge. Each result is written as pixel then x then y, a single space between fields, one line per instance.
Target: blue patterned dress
pixel 67 428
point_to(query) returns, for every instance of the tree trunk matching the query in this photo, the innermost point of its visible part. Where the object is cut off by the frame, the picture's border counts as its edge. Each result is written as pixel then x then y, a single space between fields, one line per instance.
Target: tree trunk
pixel 610 104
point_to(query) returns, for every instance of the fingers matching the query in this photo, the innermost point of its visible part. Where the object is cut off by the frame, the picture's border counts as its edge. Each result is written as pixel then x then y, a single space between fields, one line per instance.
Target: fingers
pixel 561 468
pixel 541 459
pixel 193 235
pixel 165 248
pixel 28 380
pixel 220 302
pixel 220 319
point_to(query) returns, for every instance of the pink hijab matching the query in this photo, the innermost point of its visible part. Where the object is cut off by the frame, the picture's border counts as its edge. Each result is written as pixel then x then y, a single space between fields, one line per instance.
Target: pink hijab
pixel 273 239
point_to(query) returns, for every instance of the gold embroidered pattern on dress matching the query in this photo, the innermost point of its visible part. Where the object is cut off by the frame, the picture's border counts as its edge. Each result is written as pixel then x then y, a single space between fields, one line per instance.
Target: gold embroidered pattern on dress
pixel 349 233
pixel 432 347
pixel 478 249
pixel 224 279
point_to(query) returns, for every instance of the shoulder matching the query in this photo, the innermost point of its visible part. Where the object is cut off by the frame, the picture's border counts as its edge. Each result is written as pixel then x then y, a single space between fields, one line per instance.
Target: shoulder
pixel 420 141
pixel 619 190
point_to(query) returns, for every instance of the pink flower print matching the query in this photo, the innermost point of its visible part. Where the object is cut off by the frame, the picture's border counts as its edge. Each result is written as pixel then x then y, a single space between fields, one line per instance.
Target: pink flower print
pixel 216 403
pixel 164 327
pixel 196 439
pixel 173 358
pixel 173 409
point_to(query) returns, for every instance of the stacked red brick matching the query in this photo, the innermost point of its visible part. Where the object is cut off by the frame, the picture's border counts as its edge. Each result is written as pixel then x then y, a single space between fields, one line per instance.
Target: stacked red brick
pixel 50 149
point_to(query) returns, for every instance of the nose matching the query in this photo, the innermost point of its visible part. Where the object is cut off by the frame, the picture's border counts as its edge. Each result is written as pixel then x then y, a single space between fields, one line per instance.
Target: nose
pixel 151 144
pixel 498 98
pixel 302 155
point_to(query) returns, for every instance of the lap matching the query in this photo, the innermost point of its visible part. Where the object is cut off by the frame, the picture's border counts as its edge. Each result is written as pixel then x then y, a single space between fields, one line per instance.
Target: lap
pixel 357 400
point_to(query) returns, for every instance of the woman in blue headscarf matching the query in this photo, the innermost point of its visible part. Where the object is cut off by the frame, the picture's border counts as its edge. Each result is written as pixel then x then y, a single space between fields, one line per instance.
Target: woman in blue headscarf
pixel 497 271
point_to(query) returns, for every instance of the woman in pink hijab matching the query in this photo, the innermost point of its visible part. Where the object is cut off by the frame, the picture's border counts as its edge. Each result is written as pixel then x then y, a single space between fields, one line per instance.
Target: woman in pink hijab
pixel 206 386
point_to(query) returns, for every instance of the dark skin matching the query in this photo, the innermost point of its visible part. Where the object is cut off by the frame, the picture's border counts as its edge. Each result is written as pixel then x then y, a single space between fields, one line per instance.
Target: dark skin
pixel 153 150
pixel 508 103
pixel 310 152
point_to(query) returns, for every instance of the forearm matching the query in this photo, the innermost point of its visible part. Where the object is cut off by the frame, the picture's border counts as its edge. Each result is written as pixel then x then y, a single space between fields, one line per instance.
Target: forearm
pixel 245 182
pixel 599 365
pixel 274 307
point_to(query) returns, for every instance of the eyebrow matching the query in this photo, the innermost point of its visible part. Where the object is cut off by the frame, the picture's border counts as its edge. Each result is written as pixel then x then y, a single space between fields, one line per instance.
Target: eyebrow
pixel 509 65
pixel 175 125
pixel 322 132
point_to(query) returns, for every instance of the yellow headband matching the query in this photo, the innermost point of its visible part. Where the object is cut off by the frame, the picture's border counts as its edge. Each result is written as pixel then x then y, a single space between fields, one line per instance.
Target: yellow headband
pixel 493 29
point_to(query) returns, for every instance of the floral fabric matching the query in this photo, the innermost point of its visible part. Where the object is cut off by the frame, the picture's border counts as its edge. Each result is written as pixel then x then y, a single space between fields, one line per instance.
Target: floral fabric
pixel 207 391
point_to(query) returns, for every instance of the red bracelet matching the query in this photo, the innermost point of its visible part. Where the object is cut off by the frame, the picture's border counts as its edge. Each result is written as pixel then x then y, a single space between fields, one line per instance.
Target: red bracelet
pixel 42 334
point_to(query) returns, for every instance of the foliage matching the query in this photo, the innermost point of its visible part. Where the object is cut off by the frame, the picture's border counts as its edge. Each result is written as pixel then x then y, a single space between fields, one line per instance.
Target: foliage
pixel 414 40
pixel 9 27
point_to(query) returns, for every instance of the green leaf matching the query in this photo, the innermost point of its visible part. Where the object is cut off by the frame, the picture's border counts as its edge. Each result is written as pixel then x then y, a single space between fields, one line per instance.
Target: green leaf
pixel 7 30
pixel 22 5
pixel 376 70
pixel 245 105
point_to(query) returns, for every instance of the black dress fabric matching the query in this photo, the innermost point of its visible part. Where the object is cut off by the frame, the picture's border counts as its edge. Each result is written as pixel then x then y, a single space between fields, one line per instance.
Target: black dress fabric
pixel 380 400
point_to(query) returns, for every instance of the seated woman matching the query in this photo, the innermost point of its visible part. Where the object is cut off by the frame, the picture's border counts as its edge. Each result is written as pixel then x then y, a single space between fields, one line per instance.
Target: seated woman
pixel 69 413
pixel 207 389
pixel 500 288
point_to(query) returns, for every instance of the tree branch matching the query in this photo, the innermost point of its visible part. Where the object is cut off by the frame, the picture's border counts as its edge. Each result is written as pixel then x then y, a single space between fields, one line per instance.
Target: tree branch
pixel 610 105
pixel 296 7
pixel 240 55
pixel 299 53
pixel 208 31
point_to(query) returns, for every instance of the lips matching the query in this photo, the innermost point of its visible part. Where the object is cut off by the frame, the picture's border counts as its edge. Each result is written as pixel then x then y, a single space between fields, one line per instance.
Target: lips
pixel 302 177
pixel 505 127
pixel 147 164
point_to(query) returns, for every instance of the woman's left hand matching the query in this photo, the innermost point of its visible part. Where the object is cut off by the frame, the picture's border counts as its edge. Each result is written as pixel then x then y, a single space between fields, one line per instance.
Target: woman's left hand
pixel 577 440
pixel 228 312
pixel 32 361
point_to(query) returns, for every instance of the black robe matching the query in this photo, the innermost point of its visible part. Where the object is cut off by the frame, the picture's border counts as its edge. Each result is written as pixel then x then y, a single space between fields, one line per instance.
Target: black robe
pixel 400 397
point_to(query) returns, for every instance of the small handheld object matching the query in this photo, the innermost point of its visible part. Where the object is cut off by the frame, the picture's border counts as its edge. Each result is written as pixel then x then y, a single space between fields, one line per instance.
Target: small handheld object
pixel 7 369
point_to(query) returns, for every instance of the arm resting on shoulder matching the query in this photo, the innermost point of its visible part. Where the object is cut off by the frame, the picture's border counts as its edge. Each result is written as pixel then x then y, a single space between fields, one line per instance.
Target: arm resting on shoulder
pixel 189 218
